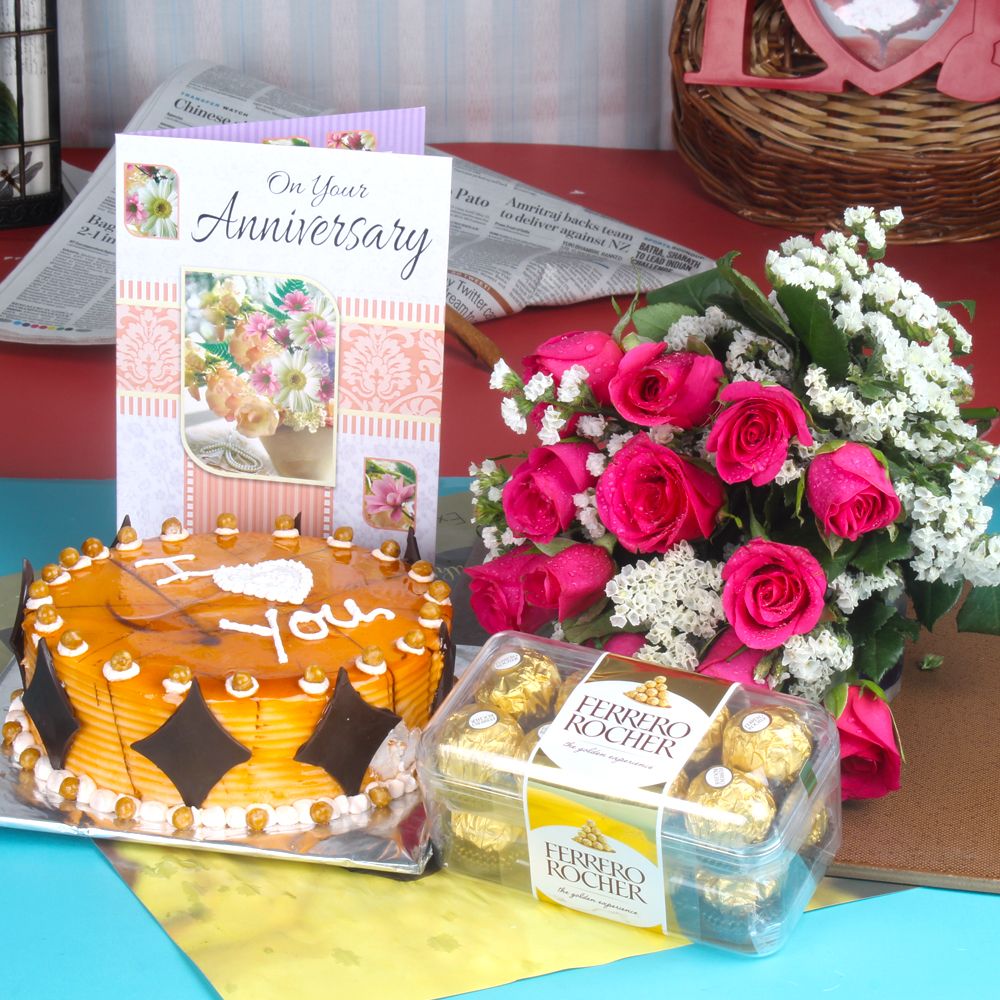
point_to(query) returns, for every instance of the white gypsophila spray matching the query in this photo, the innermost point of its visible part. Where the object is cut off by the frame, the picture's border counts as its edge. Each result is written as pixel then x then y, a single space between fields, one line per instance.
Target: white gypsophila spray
pixel 596 463
pixel 572 385
pixel 592 427
pixel 814 659
pixel 949 534
pixel 754 358
pixel 705 327
pixel 538 386
pixel 587 515
pixel 552 423
pixel 676 597
pixel 513 417
pixel 850 588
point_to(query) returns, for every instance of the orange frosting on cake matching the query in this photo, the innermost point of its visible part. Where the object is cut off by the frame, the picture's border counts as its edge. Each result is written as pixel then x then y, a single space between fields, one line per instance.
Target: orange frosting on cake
pixel 126 604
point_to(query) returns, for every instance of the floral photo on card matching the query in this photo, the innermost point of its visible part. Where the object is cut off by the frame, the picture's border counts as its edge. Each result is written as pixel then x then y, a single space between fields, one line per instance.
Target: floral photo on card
pixel 390 494
pixel 260 370
pixel 151 201
pixel 352 139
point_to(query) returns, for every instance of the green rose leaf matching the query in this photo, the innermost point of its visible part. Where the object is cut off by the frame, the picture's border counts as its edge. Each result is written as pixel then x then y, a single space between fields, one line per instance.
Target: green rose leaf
pixel 868 619
pixel 747 303
pixel 880 652
pixel 836 700
pixel 931 598
pixel 583 627
pixel 554 547
pixel 881 548
pixel 607 542
pixel 969 305
pixel 981 611
pixel 697 292
pixel 653 321
pixel 813 323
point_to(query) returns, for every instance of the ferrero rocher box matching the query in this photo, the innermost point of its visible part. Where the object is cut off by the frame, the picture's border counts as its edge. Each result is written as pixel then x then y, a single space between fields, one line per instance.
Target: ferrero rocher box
pixel 624 789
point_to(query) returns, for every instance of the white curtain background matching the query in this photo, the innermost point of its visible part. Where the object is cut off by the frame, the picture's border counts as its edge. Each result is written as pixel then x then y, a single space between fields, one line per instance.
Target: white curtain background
pixel 569 72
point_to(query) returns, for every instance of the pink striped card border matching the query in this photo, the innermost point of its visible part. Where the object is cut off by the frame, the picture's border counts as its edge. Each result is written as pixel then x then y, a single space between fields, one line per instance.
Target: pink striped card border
pixel 352 308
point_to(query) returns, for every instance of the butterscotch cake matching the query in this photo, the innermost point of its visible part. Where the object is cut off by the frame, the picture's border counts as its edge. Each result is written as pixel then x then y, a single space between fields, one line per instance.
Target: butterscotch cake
pixel 235 679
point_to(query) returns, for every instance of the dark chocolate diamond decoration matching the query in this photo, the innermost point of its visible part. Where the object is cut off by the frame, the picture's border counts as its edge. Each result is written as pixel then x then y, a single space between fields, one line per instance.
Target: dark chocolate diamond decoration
pixel 298 522
pixel 412 553
pixel 447 680
pixel 347 735
pixel 192 749
pixel 49 708
pixel 16 638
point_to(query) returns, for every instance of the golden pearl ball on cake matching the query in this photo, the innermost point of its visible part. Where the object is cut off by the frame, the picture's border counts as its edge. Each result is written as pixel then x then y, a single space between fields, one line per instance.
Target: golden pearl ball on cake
pixel 92 547
pixel 284 522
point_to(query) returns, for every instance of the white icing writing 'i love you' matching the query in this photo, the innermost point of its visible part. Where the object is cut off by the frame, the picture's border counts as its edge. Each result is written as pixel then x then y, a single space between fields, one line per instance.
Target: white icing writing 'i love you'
pixel 320 620
pixel 282 580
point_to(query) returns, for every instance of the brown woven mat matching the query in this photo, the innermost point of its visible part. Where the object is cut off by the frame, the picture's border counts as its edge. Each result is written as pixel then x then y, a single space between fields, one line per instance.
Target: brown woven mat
pixel 942 828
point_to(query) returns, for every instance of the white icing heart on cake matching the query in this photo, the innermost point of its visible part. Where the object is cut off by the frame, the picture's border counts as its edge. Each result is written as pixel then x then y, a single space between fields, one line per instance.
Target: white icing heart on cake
pixel 282 580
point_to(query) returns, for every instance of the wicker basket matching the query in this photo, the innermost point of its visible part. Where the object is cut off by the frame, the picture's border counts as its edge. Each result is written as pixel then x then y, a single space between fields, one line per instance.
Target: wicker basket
pixel 796 159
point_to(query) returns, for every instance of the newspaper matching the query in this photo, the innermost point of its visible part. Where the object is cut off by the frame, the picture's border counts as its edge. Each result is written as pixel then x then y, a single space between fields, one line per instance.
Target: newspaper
pixel 511 245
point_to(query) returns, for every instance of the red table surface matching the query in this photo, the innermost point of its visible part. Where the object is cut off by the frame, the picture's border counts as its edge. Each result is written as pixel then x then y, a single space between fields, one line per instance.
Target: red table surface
pixel 59 401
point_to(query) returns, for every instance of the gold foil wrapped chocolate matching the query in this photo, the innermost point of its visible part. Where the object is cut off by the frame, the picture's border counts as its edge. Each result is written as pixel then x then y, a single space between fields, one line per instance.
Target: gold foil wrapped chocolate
pixel 712 739
pixel 740 897
pixel 772 739
pixel 531 740
pixel 523 683
pixel 566 689
pixel 731 808
pixel 478 746
pixel 679 786
pixel 483 845
pixel 817 829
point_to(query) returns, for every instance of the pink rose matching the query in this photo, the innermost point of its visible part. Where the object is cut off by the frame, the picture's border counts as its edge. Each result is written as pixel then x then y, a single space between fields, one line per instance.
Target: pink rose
pixel 850 492
pixel 772 592
pixel 750 437
pixel 496 593
pixel 538 498
pixel 656 386
pixel 650 497
pixel 570 581
pixel 732 660
pixel 624 643
pixel 591 349
pixel 869 757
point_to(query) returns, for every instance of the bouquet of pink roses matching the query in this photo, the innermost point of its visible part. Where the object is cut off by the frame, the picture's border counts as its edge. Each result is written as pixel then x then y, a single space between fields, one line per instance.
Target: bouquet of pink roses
pixel 746 485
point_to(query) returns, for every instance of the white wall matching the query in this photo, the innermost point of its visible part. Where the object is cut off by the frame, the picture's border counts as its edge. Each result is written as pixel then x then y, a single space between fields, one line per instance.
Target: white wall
pixel 575 72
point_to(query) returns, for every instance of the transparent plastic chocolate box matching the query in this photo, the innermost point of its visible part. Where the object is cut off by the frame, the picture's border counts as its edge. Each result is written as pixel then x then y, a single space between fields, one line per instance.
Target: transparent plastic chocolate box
pixel 655 797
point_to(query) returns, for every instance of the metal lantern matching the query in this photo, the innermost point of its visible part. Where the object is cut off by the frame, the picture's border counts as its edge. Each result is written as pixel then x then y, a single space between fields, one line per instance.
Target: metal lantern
pixel 30 170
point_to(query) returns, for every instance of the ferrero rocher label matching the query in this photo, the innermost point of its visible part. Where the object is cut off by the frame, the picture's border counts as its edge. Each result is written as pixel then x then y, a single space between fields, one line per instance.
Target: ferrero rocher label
pixel 772 739
pixel 600 775
pixel 524 684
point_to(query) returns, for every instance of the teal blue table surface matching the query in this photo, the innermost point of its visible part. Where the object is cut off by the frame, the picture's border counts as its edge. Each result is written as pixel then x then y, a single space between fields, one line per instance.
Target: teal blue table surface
pixel 74 929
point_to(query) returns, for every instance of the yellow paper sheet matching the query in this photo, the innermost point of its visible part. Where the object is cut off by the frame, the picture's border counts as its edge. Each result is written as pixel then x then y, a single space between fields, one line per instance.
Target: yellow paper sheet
pixel 260 929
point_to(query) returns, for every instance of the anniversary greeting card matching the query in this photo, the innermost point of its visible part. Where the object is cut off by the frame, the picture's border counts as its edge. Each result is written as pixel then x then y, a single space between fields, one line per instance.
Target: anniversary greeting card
pixel 280 324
